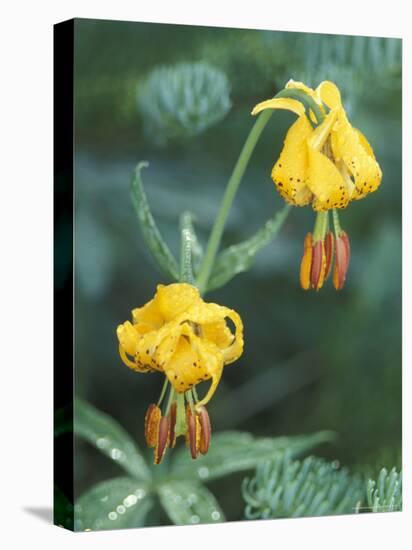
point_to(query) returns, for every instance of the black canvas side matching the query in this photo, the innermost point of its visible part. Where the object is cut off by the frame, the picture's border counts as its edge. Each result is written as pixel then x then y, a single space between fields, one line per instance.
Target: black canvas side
pixel 63 273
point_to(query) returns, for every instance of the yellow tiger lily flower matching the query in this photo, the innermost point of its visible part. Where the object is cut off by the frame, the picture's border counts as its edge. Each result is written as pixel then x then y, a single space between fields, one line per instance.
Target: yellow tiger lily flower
pixel 325 162
pixel 326 166
pixel 190 341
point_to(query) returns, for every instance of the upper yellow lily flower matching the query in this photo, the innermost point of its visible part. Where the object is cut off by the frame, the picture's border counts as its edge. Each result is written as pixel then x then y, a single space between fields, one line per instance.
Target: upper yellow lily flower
pixel 326 166
pixel 327 163
pixel 189 340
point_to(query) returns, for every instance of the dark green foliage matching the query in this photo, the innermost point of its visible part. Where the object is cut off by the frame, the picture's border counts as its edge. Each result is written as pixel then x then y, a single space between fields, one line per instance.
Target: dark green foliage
pixel 385 494
pixel 124 502
pixel 285 488
pixel 182 100
pixel 312 361
pixel 149 229
pixel 239 257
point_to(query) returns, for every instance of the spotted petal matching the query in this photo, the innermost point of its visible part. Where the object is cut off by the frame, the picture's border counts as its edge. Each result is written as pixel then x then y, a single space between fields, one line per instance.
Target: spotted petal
pixel 290 171
pixel 353 149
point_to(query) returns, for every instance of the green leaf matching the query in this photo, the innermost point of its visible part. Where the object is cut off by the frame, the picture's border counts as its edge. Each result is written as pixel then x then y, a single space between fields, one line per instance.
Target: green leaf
pixel 239 257
pixel 237 451
pixel 151 233
pixel 188 502
pixel 285 488
pixel 110 438
pixel 307 101
pixel 196 250
pixel 118 503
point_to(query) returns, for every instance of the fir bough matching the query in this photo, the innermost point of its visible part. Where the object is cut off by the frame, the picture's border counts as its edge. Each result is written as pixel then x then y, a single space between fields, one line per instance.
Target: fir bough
pixel 182 100
pixel 292 488
pixel 385 494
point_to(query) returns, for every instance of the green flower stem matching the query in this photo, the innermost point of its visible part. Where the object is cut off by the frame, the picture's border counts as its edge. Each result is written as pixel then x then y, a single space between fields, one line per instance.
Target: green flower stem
pixel 170 400
pixel 162 394
pixel 321 225
pixel 189 398
pixel 336 223
pixel 186 271
pixel 308 102
pixel 195 396
pixel 180 427
pixel 231 189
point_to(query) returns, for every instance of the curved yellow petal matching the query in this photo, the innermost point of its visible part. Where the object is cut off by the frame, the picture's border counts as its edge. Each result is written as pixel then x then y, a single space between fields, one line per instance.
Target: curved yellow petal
pixel 301 86
pixel 289 174
pixel 149 315
pixel 326 182
pixel 195 360
pixel 329 93
pixel 235 350
pixel 280 103
pixel 128 337
pixel 211 318
pixel 365 143
pixel 212 359
pixel 158 347
pixel 172 300
pixel 218 332
pixel 352 148
pixel 184 368
pixel 131 364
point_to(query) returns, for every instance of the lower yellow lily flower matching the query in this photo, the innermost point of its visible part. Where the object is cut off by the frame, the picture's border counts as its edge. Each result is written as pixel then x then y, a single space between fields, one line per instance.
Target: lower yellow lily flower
pixel 190 341
pixel 325 162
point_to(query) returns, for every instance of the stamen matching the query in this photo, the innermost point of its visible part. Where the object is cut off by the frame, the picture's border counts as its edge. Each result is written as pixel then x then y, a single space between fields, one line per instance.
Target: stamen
pixel 318 267
pixel 342 258
pixel 151 424
pixel 160 448
pixel 162 393
pixel 329 248
pixel 193 432
pixel 205 430
pixel 306 262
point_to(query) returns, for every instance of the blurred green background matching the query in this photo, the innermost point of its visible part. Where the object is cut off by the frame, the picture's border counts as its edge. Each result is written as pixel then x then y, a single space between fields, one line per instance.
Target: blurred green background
pixel 312 361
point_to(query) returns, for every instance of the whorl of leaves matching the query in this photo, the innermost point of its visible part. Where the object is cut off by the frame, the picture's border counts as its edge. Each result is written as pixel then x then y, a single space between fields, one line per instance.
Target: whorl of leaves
pixel 182 100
